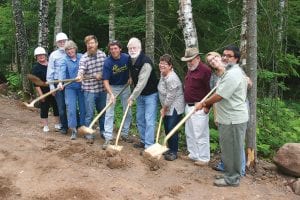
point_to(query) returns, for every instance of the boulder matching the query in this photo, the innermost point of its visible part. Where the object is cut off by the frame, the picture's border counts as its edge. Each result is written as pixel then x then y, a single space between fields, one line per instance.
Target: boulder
pixel 287 159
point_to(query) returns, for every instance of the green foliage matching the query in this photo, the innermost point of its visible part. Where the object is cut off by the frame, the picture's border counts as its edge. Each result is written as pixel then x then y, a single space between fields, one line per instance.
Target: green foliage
pixel 14 81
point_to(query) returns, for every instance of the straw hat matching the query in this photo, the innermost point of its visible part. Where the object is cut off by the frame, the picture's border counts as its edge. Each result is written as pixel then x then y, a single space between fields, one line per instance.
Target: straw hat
pixel 190 54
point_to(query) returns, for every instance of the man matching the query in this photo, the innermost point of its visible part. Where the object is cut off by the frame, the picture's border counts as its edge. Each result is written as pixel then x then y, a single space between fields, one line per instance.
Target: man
pixel 115 77
pixel 145 92
pixel 54 66
pixel 90 65
pixel 232 117
pixel 196 86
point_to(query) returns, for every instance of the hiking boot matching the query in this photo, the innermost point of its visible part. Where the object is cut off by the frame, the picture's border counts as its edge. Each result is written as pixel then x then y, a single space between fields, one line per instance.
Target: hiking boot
pixel 139 145
pixel 105 145
pixel 126 138
pixel 170 156
pixel 46 129
pixel 222 183
pixel 74 135
pixel 63 131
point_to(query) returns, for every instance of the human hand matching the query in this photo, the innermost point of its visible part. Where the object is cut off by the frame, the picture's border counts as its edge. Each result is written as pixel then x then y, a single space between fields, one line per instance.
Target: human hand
pixel 79 78
pixel 130 102
pixel 198 106
pixel 112 99
pixel 60 86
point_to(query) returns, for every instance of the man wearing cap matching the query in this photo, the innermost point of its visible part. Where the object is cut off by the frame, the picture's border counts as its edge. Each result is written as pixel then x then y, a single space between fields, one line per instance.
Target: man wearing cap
pixel 52 74
pixel 196 86
pixel 115 77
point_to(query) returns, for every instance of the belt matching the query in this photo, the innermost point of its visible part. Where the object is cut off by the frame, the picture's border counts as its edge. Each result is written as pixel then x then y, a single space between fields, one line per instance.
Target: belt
pixel 191 104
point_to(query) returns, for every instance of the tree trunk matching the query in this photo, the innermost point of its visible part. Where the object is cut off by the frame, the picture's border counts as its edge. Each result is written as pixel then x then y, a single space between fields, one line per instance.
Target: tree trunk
pixel 150 34
pixel 243 45
pixel 22 45
pixel 252 69
pixel 43 24
pixel 111 21
pixel 58 18
pixel 186 21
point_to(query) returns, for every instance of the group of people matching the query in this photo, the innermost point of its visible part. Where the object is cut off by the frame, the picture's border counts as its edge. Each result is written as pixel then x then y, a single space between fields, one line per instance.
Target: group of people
pixel 100 79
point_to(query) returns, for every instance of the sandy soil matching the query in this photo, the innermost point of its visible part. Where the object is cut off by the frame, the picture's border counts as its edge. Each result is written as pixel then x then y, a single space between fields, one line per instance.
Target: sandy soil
pixel 39 166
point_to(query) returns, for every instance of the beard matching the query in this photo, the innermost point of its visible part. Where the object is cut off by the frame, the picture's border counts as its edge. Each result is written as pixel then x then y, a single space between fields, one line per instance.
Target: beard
pixel 134 54
pixel 92 51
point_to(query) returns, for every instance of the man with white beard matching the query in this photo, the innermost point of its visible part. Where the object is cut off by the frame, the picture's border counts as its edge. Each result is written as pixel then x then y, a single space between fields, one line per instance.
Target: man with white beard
pixel 90 65
pixel 145 92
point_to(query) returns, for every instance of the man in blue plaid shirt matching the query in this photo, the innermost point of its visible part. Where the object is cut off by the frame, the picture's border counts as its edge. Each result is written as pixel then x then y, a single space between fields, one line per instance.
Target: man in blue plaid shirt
pixel 91 65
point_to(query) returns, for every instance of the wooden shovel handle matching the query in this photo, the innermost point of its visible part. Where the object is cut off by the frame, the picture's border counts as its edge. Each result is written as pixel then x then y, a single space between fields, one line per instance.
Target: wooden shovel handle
pixel 158 129
pixel 121 125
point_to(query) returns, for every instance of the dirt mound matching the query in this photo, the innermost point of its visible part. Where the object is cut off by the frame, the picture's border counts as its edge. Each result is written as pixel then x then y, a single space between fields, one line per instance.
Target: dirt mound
pixel 68 193
pixel 7 189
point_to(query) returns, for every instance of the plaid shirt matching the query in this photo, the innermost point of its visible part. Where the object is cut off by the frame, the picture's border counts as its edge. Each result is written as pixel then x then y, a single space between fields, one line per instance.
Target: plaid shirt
pixel 90 66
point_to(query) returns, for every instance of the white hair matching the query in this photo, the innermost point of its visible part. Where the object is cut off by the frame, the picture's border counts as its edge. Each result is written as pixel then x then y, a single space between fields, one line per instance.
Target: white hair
pixel 134 42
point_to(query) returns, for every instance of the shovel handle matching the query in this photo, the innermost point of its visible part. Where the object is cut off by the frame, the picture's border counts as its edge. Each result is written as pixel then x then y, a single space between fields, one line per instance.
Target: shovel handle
pixel 64 80
pixel 121 125
pixel 172 132
pixel 158 129
pixel 106 107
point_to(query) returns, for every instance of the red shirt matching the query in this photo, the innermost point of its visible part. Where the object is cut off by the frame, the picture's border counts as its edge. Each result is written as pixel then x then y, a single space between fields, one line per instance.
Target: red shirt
pixel 196 83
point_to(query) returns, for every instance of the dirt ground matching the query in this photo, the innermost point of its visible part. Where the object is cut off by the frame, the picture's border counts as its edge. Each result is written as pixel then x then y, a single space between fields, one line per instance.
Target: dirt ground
pixel 39 166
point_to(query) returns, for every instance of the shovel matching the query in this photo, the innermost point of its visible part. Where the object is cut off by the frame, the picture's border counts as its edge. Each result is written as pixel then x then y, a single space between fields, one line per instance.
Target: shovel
pixel 156 150
pixel 116 147
pixel 90 130
pixel 31 104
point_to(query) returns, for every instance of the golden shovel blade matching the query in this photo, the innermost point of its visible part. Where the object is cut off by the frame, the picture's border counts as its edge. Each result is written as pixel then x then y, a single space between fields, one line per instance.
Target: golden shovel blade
pixel 156 150
pixel 85 130
pixel 115 147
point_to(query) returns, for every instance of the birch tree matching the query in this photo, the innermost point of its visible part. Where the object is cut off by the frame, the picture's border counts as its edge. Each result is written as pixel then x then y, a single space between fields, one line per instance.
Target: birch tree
pixel 150 34
pixel 243 44
pixel 186 22
pixel 111 21
pixel 43 24
pixel 251 71
pixel 58 18
pixel 22 44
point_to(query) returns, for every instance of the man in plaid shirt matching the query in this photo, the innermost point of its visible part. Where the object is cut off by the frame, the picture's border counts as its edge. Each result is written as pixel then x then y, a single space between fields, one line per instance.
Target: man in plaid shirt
pixel 91 65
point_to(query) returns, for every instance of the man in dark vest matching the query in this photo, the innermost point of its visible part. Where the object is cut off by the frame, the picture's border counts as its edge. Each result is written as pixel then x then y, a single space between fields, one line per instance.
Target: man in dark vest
pixel 145 92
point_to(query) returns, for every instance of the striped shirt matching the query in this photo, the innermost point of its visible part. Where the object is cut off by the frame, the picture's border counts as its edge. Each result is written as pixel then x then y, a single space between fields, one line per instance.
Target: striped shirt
pixel 91 66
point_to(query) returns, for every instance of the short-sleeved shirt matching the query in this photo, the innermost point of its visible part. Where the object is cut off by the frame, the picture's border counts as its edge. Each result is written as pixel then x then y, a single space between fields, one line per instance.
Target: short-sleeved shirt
pixel 40 71
pixel 116 70
pixel 196 83
pixel 232 109
pixel 90 66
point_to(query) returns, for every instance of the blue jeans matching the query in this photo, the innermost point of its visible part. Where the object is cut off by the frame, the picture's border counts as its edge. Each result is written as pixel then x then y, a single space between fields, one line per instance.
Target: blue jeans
pixel 170 122
pixel 74 97
pixel 91 100
pixel 61 105
pixel 109 115
pixel 146 112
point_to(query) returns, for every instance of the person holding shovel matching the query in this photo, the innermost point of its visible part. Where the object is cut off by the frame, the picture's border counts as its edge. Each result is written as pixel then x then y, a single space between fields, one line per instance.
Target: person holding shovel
pixel 172 101
pixel 39 69
pixel 73 93
pixel 115 77
pixel 232 117
pixel 145 92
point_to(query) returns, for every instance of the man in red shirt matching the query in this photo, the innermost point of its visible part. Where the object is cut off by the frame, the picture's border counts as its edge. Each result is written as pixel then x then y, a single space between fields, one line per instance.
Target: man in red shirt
pixel 196 86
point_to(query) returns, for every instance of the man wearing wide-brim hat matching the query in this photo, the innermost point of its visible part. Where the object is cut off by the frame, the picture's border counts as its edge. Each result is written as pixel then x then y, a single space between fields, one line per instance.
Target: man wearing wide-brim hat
pixel 196 86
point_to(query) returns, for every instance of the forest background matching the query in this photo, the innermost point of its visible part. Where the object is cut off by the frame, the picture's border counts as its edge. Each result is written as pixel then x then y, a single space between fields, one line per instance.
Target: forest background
pixel 218 23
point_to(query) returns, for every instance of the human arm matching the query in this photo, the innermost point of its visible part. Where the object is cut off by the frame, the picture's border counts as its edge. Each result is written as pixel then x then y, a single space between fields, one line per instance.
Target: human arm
pixel 50 71
pixel 109 91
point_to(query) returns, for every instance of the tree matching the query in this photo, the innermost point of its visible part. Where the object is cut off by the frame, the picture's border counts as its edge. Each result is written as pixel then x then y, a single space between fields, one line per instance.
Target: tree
pixel 243 44
pixel 251 70
pixel 22 44
pixel 58 18
pixel 150 34
pixel 186 21
pixel 111 21
pixel 43 24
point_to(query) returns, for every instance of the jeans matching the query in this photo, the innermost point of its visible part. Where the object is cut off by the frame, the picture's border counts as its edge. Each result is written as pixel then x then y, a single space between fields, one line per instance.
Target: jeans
pixel 61 105
pixel 146 112
pixel 74 98
pixel 91 100
pixel 170 122
pixel 109 115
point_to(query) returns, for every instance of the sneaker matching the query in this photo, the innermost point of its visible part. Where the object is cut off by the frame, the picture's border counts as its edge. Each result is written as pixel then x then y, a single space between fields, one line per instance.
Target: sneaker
pixel 105 145
pixel 222 183
pixel 63 131
pixel 219 176
pixel 126 138
pixel 201 163
pixel 46 129
pixel 57 126
pixel 139 145
pixel 74 135
pixel 170 156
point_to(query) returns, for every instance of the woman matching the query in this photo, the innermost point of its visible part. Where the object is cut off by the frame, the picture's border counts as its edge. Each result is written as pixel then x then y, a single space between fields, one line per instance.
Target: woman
pixel 39 69
pixel 172 101
pixel 73 92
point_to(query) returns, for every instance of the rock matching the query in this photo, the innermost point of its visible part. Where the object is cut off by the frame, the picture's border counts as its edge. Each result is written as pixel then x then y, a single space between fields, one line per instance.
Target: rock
pixel 4 88
pixel 296 187
pixel 287 159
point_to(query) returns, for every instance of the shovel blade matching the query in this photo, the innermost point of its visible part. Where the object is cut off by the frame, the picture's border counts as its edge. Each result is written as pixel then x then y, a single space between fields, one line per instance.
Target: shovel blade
pixel 86 130
pixel 28 105
pixel 115 147
pixel 156 150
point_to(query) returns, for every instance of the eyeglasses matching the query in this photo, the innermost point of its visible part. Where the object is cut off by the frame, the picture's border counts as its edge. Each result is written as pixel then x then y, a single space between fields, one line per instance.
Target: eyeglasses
pixel 227 56
pixel 210 60
pixel 163 64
